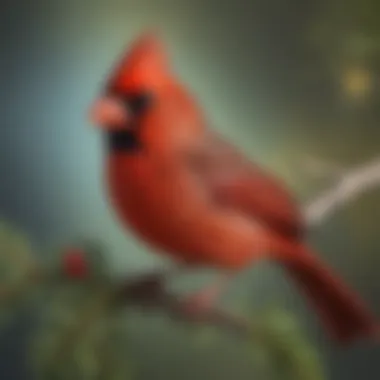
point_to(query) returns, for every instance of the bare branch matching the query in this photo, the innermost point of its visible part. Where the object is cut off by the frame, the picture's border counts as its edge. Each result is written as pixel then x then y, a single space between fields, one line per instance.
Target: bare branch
pixel 348 187
pixel 148 293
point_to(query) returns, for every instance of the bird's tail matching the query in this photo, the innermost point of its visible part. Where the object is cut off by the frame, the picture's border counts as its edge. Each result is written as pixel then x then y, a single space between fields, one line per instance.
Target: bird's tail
pixel 341 311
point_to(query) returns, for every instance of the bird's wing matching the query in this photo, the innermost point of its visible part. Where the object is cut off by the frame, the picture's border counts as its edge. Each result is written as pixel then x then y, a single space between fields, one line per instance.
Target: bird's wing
pixel 236 182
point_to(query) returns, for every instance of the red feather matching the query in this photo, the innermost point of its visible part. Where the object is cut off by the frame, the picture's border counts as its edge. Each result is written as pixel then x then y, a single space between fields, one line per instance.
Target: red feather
pixel 238 183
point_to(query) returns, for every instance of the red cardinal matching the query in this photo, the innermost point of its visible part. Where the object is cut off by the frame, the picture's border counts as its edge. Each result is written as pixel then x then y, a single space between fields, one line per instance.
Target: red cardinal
pixel 191 194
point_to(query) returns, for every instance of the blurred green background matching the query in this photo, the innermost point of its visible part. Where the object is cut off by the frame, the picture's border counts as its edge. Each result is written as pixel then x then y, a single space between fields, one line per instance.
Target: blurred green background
pixel 283 79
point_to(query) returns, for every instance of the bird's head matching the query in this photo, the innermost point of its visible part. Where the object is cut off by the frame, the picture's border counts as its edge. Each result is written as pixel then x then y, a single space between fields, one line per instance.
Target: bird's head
pixel 143 103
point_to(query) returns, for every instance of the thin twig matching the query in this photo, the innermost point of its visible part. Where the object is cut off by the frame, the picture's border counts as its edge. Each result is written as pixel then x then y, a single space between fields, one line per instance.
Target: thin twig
pixel 149 293
pixel 348 187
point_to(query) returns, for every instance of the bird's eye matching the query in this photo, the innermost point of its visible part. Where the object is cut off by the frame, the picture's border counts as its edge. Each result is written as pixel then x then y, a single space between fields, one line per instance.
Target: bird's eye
pixel 139 102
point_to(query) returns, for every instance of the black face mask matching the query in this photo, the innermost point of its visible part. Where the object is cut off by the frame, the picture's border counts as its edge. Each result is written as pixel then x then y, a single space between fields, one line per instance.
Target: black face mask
pixel 123 141
pixel 138 103
pixel 127 139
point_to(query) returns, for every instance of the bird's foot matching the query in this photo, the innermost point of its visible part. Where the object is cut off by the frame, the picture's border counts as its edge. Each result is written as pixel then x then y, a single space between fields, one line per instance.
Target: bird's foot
pixel 199 304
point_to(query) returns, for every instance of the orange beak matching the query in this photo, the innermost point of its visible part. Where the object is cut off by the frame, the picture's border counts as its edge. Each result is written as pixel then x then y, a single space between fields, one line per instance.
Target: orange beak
pixel 109 113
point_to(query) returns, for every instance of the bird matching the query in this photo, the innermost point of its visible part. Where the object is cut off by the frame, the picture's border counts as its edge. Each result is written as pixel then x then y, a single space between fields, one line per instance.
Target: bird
pixel 194 197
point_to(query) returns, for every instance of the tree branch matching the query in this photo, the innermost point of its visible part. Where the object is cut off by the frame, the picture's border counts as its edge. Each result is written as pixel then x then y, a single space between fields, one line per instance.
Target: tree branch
pixel 149 293
pixel 347 188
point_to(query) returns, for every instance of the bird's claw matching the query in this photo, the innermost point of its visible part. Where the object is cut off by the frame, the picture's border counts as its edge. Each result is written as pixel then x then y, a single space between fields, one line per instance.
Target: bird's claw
pixel 198 305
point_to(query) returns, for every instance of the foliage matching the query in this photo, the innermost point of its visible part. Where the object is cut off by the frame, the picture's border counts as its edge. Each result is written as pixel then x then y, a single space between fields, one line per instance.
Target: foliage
pixel 80 338
pixel 82 332
pixel 16 271
pixel 346 36
pixel 350 26
pixel 278 339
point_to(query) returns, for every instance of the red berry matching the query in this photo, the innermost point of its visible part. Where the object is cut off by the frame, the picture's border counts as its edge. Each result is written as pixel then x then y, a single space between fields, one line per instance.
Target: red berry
pixel 75 264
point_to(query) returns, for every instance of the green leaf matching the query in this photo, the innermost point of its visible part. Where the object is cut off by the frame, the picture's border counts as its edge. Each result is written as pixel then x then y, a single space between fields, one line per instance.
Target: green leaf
pixel 205 336
pixel 285 347
pixel 16 264
pixel 80 337
pixel 115 356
